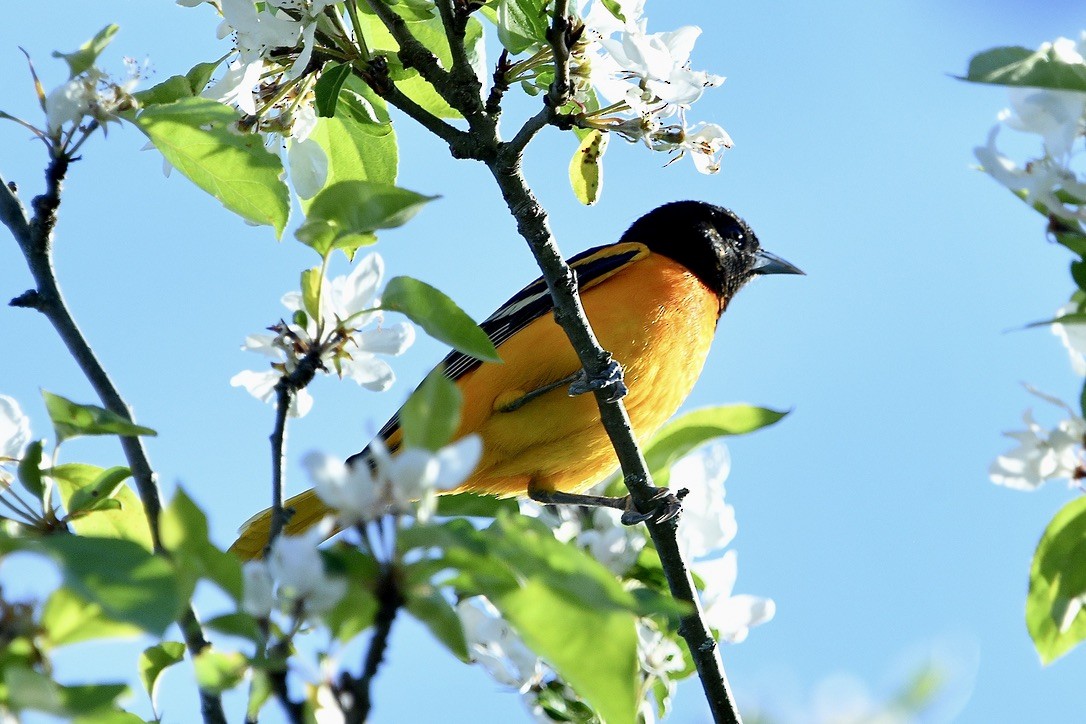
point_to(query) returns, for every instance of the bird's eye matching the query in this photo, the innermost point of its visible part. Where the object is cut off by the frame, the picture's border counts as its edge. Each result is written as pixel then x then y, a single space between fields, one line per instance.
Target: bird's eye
pixel 740 242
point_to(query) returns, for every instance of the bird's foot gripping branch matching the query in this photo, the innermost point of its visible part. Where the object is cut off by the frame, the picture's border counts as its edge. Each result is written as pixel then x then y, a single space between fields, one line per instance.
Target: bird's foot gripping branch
pixel 584 616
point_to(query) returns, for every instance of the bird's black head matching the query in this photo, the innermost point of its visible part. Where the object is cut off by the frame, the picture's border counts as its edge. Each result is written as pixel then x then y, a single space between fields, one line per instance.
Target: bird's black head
pixel 710 241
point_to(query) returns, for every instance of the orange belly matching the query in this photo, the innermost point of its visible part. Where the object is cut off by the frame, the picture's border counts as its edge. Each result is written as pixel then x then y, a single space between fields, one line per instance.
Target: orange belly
pixel 655 317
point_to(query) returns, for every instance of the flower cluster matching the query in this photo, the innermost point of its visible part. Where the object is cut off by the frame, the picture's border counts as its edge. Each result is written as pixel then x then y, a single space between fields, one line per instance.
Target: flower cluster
pixel 266 77
pixel 347 337
pixel 1057 116
pixel 91 94
pixel 1048 454
pixel 645 79
pixel 405 482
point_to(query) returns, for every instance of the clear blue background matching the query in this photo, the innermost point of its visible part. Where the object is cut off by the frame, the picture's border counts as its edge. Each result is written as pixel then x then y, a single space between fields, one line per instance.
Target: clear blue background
pixel 866 514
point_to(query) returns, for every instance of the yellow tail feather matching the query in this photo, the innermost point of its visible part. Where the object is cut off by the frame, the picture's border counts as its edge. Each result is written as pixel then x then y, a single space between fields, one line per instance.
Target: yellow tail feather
pixel 253 535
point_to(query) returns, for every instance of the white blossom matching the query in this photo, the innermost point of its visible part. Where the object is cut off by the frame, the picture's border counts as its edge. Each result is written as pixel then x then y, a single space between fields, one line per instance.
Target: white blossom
pixel 296 565
pixel 1041 454
pixel 347 304
pixel 1073 336
pixel 732 616
pixel 414 475
pixel 259 598
pixel 707 523
pixel 496 647
pixel 1055 115
pixel 659 655
pixel 405 482
pixel 14 434
pixel 91 94
pixel 610 542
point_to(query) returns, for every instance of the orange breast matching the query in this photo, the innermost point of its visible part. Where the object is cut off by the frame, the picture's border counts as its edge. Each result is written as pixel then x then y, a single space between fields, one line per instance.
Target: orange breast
pixel 654 316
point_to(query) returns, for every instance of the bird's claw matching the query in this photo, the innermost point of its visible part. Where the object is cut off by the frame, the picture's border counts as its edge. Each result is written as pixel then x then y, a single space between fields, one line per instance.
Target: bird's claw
pixel 609 380
pixel 663 506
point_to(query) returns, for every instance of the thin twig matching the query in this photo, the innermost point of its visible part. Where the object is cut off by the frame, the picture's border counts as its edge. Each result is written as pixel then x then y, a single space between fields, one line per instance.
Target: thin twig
pixel 35 239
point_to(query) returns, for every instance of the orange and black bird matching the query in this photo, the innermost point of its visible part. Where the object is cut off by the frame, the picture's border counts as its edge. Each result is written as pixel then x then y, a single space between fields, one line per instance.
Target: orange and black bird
pixel 654 299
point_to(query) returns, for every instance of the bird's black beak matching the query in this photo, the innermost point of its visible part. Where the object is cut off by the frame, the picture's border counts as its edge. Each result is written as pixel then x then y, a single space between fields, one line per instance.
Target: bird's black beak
pixel 766 263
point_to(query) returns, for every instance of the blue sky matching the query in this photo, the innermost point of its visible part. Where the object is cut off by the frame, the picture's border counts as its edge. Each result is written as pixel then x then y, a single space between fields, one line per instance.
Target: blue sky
pixel 866 514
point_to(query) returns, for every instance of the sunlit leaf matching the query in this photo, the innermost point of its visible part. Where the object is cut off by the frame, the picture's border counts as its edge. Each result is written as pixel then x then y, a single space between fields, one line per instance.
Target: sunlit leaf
pixel 129 583
pixel 128 522
pixel 345 214
pixel 694 428
pixel 1017 66
pixel 71 419
pixel 82 59
pixel 1057 584
pixel 586 167
pixel 156 659
pixel 200 137
pixel 439 316
pixel 219 671
pixel 67 618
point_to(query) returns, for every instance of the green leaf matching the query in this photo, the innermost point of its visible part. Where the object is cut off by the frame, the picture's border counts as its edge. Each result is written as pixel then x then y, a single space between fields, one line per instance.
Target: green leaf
pixel 474 506
pixel 427 605
pixel 200 137
pixel 432 412
pixel 688 431
pixel 439 316
pixel 176 87
pixel 1057 584
pixel 1078 272
pixel 218 672
pixel 260 691
pixel 128 522
pixel 185 534
pixel 156 659
pixel 359 142
pixel 90 497
pixel 311 291
pixel 586 167
pixel 356 610
pixel 237 624
pixel 68 618
pixel 345 214
pixel 431 33
pixel 614 8
pixel 71 419
pixel 1017 66
pixel 326 90
pixel 522 24
pixel 28 689
pixel 594 650
pixel 82 59
pixel 129 583
pixel 29 470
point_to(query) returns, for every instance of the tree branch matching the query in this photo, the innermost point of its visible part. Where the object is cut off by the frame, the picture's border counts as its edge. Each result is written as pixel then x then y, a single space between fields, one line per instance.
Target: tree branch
pixel 558 37
pixel 504 162
pixel 35 239
pixel 465 90
pixel 389 601
pixel 286 390
pixel 412 54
